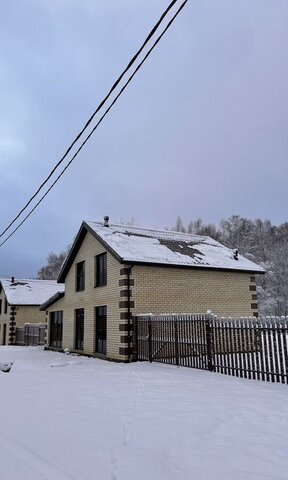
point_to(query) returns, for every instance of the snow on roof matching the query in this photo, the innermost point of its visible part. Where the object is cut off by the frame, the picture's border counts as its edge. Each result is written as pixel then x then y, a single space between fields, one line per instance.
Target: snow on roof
pixel 134 244
pixel 30 292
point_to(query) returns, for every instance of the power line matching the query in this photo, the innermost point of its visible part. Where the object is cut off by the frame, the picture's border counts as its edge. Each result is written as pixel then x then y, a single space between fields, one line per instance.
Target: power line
pixel 132 61
pixel 98 123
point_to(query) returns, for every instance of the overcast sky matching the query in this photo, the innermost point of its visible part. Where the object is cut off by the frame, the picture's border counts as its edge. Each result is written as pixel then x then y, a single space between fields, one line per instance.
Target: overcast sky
pixel 200 132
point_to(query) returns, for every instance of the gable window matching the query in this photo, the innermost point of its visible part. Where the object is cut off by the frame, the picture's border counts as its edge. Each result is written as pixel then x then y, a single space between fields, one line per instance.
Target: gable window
pixel 80 276
pixel 56 329
pixel 5 306
pixel 101 270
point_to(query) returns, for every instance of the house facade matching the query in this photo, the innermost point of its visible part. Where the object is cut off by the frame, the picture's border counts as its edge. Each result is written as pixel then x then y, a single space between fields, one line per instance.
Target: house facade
pixel 20 300
pixel 114 272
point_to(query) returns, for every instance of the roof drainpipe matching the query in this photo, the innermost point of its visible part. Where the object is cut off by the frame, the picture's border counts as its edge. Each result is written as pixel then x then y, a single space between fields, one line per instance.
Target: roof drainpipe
pixel 129 313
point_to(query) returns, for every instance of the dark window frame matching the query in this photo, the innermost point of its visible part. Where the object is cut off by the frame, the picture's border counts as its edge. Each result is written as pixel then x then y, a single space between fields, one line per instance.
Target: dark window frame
pixel 79 328
pixel 101 329
pixel 0 306
pixel 5 305
pixel 101 270
pixel 80 276
pixel 56 329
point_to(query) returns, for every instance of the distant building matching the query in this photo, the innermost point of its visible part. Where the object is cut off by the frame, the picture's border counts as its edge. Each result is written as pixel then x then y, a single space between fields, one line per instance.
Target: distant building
pixel 19 304
pixel 114 272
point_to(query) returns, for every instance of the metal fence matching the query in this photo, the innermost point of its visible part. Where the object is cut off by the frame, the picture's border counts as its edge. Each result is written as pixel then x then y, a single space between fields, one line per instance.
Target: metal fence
pixel 31 334
pixel 247 347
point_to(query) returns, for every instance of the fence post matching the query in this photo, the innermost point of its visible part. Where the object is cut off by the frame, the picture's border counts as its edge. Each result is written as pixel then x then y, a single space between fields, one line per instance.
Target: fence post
pixel 176 342
pixel 135 334
pixel 150 340
pixel 209 343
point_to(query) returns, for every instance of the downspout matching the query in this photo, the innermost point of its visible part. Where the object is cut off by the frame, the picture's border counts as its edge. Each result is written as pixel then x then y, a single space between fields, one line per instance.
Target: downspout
pixel 129 313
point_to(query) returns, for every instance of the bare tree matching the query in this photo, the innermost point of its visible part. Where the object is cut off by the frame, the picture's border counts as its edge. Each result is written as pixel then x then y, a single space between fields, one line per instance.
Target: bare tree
pixel 51 270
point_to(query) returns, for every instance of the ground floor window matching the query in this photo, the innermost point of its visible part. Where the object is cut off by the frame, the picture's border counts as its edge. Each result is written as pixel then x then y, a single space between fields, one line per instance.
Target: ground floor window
pixel 79 328
pixel 101 329
pixel 4 334
pixel 56 329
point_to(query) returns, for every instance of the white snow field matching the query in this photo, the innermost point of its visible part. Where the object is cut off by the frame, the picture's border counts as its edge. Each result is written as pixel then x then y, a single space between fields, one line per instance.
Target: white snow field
pixel 69 417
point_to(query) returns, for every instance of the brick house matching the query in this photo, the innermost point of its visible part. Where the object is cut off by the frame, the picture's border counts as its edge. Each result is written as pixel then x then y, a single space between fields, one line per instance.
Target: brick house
pixel 113 272
pixel 19 304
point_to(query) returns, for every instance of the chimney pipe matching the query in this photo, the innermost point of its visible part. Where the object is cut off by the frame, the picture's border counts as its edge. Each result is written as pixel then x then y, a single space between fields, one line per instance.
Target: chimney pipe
pixel 106 221
pixel 12 279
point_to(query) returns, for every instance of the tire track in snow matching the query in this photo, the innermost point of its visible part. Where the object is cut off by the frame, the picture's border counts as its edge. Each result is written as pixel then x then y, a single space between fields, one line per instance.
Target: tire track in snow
pixel 127 424
pixel 38 464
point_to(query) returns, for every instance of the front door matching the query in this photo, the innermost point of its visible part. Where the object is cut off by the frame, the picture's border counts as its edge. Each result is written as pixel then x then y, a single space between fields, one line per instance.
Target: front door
pixel 79 328
pixel 101 329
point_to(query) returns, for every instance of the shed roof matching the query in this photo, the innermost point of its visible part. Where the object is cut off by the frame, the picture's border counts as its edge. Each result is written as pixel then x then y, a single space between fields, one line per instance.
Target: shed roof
pixel 29 292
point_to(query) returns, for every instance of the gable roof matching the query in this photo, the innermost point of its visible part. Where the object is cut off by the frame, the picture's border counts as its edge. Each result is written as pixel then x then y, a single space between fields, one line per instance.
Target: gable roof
pixel 29 292
pixel 134 245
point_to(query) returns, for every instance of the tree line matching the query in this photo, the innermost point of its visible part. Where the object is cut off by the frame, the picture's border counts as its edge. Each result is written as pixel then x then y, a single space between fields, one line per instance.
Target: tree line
pixel 259 241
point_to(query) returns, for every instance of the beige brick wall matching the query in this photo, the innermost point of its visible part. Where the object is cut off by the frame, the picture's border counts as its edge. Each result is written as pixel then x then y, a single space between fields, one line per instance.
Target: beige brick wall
pixel 154 290
pixel 29 314
pixel 174 290
pixel 90 298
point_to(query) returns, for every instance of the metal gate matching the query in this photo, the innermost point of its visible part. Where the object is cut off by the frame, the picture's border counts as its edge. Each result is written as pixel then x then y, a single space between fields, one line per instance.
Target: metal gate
pixel 179 340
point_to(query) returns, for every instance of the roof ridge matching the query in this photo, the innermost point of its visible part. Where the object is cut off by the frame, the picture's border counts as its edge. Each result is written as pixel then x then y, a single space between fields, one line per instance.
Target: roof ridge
pixel 174 232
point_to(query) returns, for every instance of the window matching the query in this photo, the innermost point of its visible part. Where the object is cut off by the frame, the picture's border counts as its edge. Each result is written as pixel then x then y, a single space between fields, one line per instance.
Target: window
pixel 79 328
pixel 80 276
pixel 101 330
pixel 101 270
pixel 5 306
pixel 0 306
pixel 56 329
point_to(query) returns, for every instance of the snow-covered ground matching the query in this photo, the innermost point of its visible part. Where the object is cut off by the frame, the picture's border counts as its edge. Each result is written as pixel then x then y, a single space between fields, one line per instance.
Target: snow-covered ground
pixel 66 417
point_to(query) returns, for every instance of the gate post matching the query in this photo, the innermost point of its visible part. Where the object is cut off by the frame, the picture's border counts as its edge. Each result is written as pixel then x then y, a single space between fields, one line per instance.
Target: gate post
pixel 209 343
pixel 150 340
pixel 135 334
pixel 176 341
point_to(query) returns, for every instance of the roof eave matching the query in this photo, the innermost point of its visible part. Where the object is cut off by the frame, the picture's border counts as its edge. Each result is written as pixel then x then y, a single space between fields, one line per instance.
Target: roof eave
pixel 199 267
pixel 51 301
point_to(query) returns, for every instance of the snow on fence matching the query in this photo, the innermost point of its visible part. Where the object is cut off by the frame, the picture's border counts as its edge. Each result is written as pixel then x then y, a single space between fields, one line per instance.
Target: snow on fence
pixel 31 334
pixel 248 347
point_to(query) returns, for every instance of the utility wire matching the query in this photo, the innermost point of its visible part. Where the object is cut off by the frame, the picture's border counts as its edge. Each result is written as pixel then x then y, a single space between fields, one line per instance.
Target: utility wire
pixel 100 121
pixel 132 61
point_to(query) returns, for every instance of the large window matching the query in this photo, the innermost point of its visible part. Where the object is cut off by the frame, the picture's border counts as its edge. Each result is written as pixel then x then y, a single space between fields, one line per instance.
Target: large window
pixel 79 328
pixel 80 276
pixel 101 329
pixel 101 270
pixel 0 306
pixel 56 329
pixel 5 306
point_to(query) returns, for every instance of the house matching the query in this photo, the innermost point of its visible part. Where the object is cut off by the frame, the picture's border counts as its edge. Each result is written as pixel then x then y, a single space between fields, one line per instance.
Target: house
pixel 19 304
pixel 113 272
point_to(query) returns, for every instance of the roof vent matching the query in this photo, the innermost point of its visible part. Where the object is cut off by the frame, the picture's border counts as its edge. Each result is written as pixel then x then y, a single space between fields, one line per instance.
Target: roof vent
pixel 235 254
pixel 106 221
pixel 12 279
